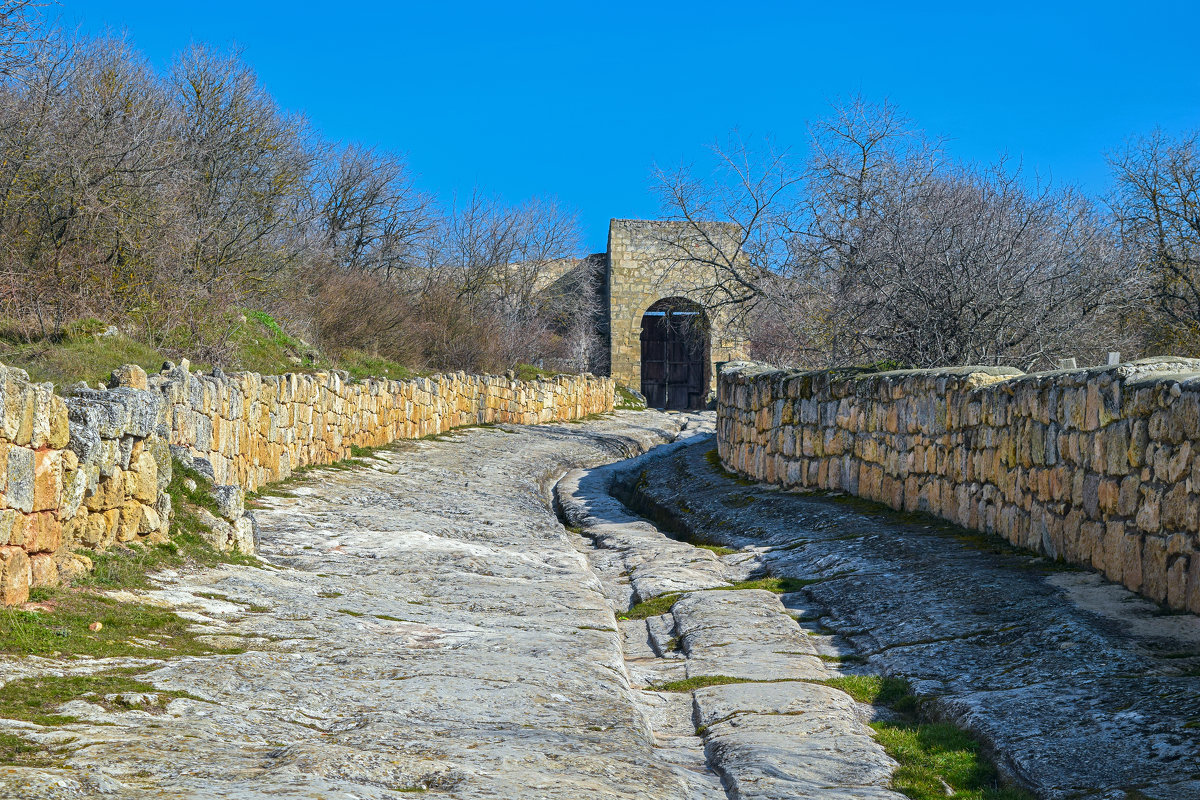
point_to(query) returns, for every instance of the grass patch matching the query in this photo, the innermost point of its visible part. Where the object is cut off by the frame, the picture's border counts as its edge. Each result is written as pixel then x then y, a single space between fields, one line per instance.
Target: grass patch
pixel 653 607
pixel 82 355
pixel 936 760
pixel 18 752
pixel 776 585
pixel 127 629
pixel 718 549
pixel 528 372
pixel 628 401
pixel 351 613
pixel 935 755
pixel 130 566
pixel 876 690
pixel 36 699
pixel 699 682
pixel 362 365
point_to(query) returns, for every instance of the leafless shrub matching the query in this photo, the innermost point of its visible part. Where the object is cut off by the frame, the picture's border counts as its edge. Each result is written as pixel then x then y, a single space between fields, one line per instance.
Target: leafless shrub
pixel 1157 200
pixel 881 248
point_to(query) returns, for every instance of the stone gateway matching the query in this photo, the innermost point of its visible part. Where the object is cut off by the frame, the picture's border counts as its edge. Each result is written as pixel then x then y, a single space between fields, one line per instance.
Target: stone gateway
pixel 664 336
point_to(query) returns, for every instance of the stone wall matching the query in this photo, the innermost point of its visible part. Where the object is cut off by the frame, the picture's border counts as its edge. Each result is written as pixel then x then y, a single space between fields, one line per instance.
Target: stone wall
pixel 89 470
pixel 255 429
pixel 1098 467
pixel 642 269
pixel 76 473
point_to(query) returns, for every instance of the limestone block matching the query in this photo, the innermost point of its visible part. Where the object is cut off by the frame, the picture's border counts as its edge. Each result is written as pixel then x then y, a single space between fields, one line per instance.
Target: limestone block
pixel 43 571
pixel 10 531
pixel 15 576
pixel 131 376
pixel 47 479
pixel 19 493
pixel 1154 568
pixel 145 484
pixel 109 492
pixel 42 532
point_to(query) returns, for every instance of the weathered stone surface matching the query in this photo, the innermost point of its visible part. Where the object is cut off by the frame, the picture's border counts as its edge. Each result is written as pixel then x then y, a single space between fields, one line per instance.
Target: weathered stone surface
pixel 430 624
pixel 786 738
pixel 1081 687
pixel 14 575
pixel 130 375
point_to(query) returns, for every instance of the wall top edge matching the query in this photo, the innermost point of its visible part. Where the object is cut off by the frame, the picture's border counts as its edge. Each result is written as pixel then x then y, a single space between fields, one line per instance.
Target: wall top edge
pixel 1143 372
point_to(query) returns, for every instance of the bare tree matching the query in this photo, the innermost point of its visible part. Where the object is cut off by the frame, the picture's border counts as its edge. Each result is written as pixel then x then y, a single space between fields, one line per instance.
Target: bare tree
pixel 243 189
pixel 1157 200
pixel 735 222
pixel 371 214
pixel 21 31
pixel 884 249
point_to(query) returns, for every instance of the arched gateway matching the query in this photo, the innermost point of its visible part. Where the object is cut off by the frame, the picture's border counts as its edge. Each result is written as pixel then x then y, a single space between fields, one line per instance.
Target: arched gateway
pixel 663 339
pixel 674 354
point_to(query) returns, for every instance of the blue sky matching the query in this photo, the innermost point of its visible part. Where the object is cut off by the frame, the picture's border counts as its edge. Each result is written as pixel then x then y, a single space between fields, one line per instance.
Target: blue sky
pixel 580 101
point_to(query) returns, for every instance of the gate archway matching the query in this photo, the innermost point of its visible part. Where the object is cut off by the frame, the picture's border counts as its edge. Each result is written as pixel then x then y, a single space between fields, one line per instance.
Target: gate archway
pixel 675 343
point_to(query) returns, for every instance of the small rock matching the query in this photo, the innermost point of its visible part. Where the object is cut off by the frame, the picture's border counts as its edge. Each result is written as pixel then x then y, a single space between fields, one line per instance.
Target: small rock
pixel 95 626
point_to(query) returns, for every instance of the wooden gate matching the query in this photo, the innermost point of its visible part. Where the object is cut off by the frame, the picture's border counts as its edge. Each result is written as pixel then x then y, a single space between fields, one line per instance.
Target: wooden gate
pixel 674 345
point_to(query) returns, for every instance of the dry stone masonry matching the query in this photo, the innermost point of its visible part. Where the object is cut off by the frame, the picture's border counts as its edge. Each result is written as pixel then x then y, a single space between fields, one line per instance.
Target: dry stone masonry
pixel 77 473
pixel 1097 467
pixel 88 470
pixel 255 429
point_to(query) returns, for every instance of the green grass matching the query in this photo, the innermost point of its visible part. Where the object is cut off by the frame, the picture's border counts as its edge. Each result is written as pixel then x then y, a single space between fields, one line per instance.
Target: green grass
pixel 776 585
pixel 876 690
pixel 718 549
pixel 80 356
pixel 61 629
pixel 931 755
pixel 37 699
pixel 528 372
pixel 362 365
pixel 260 344
pixel 627 401
pixel 130 566
pixel 652 607
pixel 699 682
pixel 18 752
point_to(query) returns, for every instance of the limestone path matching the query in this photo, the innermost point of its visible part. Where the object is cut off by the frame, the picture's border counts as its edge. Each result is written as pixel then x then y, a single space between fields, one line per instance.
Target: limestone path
pixel 427 625
pixel 1081 688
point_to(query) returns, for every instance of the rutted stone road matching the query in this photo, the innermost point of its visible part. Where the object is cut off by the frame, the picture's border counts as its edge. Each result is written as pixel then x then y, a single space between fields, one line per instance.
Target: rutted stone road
pixel 427 623
pixel 1083 689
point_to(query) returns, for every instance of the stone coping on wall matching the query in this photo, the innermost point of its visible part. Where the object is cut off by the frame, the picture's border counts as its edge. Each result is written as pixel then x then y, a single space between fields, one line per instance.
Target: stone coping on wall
pixel 1098 466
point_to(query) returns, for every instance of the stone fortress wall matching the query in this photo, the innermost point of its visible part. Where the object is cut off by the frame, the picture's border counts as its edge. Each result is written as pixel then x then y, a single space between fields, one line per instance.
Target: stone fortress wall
pixel 1097 467
pixel 88 470
pixel 643 268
